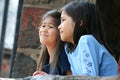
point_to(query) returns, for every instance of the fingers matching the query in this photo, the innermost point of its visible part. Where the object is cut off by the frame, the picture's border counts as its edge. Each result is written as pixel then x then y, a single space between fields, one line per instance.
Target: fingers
pixel 39 73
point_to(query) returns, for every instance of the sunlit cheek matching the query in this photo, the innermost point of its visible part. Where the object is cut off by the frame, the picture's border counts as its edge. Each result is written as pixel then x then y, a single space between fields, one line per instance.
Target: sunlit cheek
pixel 40 31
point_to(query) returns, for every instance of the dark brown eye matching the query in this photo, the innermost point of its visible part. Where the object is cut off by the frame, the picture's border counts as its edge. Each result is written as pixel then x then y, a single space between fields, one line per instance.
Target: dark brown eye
pixel 51 26
pixel 42 26
pixel 62 20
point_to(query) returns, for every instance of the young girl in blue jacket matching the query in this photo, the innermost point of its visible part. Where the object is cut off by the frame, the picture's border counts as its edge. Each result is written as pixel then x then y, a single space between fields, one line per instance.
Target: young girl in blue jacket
pixel 86 49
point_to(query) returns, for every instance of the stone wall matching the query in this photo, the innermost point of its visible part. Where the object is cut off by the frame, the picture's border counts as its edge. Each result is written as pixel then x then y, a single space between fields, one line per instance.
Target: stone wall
pixel 31 18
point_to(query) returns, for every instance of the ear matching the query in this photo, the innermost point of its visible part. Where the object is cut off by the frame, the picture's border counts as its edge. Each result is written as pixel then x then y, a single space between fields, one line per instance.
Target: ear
pixel 81 23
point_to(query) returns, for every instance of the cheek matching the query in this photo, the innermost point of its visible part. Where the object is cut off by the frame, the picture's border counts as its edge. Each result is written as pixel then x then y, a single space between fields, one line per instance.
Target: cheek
pixel 39 32
pixel 54 35
pixel 64 26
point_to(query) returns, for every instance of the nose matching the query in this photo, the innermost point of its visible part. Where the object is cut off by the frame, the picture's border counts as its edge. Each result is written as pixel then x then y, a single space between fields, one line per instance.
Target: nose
pixel 45 29
pixel 59 27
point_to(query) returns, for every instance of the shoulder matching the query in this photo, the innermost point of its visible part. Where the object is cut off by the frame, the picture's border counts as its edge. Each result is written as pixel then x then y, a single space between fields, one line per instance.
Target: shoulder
pixel 87 39
pixel 63 54
pixel 63 57
pixel 63 62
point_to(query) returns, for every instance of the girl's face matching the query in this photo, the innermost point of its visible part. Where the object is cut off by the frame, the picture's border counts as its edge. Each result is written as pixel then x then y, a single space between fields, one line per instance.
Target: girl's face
pixel 48 32
pixel 66 28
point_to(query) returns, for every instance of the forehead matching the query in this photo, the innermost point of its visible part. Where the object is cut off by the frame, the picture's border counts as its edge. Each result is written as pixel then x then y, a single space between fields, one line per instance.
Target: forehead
pixel 64 14
pixel 49 20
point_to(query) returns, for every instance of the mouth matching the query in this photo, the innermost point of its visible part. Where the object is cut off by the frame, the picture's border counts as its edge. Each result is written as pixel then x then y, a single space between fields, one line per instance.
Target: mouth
pixel 43 35
pixel 61 32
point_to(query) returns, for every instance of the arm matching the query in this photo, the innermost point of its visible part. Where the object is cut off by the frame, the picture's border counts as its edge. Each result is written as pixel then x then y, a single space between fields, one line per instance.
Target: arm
pixel 88 57
pixel 68 72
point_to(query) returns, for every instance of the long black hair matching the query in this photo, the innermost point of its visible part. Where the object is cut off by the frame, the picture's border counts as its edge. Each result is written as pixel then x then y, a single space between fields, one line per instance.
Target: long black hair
pixel 89 15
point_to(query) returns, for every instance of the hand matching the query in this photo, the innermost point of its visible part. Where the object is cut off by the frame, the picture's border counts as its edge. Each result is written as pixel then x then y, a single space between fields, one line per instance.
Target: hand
pixel 39 73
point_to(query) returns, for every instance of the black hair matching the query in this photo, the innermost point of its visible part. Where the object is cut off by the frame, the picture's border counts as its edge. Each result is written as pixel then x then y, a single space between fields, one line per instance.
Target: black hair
pixel 89 14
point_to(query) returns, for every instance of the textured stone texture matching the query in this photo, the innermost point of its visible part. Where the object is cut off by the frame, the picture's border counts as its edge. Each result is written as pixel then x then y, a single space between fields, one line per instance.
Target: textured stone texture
pixel 51 4
pixel 23 66
pixel 31 18
pixel 51 77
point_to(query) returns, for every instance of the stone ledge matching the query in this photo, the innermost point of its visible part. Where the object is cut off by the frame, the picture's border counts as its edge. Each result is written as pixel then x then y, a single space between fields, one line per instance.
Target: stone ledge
pixel 57 77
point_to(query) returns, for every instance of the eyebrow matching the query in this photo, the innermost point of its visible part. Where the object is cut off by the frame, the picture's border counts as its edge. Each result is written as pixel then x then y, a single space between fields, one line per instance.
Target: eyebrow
pixel 63 17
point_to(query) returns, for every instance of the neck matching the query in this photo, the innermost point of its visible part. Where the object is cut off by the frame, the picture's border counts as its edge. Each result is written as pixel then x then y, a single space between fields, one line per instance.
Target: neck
pixel 71 47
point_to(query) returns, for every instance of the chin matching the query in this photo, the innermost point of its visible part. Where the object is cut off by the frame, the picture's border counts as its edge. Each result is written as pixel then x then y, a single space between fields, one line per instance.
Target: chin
pixel 62 39
pixel 42 42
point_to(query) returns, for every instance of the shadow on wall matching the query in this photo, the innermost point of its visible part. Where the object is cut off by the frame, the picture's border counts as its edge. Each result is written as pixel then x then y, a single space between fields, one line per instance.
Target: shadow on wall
pixel 110 12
